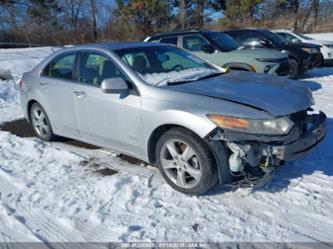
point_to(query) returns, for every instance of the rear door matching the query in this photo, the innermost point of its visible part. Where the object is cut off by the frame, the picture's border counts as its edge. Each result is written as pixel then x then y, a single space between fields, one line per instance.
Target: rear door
pixel 57 82
pixel 107 119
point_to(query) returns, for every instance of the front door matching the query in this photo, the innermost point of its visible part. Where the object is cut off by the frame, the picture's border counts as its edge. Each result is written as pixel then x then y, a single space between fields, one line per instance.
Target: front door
pixel 107 119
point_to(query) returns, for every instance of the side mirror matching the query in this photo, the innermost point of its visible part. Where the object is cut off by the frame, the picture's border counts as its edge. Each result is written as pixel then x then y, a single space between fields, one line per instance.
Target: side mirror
pixel 252 43
pixel 208 49
pixel 114 85
pixel 295 40
pixel 265 43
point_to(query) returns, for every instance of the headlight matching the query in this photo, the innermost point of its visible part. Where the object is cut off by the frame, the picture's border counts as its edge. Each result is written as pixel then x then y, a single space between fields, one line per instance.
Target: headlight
pixel 278 126
pixel 311 50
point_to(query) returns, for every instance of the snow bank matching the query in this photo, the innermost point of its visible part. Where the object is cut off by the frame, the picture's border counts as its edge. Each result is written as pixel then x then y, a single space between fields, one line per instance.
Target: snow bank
pixel 23 59
pixel 17 61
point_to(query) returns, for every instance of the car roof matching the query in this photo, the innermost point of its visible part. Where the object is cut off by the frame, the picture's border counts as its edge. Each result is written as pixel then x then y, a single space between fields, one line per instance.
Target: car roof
pixel 192 31
pixel 249 29
pixel 117 45
pixel 282 30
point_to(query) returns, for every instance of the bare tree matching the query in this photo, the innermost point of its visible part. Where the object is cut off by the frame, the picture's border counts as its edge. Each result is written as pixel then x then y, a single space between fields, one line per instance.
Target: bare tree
pixel 182 13
pixel 315 4
pixel 73 11
pixel 295 6
pixel 93 9
pixel 200 12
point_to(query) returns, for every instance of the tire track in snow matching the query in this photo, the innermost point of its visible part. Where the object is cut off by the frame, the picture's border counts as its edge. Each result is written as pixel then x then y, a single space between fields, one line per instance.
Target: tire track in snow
pixel 40 224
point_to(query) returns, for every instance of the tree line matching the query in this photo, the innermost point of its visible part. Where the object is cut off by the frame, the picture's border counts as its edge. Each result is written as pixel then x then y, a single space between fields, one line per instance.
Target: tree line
pixel 58 22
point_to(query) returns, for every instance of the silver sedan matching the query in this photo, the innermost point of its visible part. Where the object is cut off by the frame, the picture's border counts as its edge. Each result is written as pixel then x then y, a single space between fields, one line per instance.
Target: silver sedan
pixel 198 123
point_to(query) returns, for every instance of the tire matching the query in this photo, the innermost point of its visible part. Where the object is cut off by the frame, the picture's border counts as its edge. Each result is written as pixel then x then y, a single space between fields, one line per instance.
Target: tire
pixel 322 62
pixel 186 162
pixel 294 69
pixel 41 123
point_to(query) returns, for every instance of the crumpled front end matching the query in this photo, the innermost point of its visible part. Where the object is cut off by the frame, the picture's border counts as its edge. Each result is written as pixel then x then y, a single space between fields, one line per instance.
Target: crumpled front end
pixel 268 151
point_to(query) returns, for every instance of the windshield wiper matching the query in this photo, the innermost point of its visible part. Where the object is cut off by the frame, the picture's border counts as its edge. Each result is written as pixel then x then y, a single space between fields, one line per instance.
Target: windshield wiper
pixel 171 82
pixel 210 75
pixel 178 82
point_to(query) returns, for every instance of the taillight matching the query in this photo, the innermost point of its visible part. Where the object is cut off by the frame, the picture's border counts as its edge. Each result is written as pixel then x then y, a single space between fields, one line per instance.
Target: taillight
pixel 21 83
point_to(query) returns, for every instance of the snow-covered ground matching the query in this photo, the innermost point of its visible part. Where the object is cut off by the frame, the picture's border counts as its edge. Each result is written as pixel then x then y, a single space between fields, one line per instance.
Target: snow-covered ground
pixel 322 36
pixel 56 192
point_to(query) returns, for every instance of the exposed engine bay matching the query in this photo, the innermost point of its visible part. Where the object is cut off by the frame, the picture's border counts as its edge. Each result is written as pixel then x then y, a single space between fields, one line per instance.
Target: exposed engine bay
pixel 262 153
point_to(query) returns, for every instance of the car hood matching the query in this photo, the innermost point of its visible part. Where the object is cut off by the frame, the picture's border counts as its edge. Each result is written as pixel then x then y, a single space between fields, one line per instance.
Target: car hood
pixel 299 45
pixel 308 45
pixel 260 53
pixel 322 42
pixel 275 95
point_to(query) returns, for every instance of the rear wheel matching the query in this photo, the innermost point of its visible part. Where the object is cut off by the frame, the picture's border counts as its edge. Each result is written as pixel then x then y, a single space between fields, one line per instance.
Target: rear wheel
pixel 294 69
pixel 41 123
pixel 186 162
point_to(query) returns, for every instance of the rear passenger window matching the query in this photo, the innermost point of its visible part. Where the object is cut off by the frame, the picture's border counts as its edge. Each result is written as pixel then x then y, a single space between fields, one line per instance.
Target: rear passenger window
pixel 61 67
pixel 169 40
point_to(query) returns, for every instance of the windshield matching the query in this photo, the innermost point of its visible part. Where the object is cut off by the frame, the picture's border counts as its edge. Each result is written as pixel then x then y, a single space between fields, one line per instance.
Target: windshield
pixel 163 65
pixel 304 37
pixel 275 38
pixel 223 41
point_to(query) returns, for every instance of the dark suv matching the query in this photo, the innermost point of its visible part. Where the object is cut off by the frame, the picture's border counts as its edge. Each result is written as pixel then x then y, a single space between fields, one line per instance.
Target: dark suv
pixel 303 56
pixel 220 49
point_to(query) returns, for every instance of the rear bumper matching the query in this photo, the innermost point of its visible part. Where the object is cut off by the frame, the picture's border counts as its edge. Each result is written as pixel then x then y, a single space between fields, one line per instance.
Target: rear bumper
pixel 310 139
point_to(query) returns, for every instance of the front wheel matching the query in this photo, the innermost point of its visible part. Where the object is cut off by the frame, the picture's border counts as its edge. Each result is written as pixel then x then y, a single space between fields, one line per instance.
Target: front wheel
pixel 41 123
pixel 186 162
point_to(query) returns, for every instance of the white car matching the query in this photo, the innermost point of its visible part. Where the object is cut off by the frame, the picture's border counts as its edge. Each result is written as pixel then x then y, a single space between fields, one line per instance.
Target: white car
pixel 326 46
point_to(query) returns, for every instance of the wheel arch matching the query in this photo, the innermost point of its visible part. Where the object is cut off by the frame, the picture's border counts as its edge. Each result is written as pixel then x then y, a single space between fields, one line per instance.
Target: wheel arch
pixel 28 109
pixel 156 134
pixel 298 60
pixel 239 66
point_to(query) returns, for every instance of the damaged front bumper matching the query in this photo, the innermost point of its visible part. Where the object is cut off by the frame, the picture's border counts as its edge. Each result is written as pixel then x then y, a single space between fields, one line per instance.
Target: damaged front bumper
pixel 307 142
pixel 265 150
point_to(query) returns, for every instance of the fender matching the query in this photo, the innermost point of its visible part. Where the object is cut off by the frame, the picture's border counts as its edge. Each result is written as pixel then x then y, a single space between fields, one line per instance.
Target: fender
pixel 200 125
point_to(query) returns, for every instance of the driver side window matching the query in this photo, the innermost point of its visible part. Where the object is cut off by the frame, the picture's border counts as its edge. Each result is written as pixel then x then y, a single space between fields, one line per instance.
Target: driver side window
pixel 194 42
pixel 95 68
pixel 289 37
pixel 252 39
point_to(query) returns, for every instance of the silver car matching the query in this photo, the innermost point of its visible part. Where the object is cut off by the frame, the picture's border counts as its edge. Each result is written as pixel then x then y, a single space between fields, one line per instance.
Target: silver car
pixel 198 123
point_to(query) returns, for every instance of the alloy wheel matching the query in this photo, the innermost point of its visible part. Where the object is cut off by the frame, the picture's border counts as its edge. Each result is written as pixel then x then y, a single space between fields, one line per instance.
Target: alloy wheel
pixel 40 122
pixel 181 163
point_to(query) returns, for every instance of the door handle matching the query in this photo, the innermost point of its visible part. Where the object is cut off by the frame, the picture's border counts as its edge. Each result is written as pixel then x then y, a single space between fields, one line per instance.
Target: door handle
pixel 43 85
pixel 80 94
